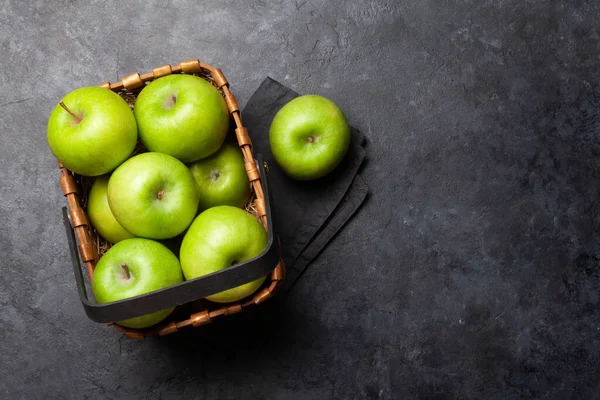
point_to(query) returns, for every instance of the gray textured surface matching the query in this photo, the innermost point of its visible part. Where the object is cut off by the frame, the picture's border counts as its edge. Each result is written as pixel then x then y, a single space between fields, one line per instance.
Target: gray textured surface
pixel 474 269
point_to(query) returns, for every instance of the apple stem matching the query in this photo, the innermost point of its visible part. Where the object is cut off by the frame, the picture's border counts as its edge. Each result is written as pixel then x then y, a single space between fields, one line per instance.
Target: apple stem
pixel 160 194
pixel 126 270
pixel 311 139
pixel 63 105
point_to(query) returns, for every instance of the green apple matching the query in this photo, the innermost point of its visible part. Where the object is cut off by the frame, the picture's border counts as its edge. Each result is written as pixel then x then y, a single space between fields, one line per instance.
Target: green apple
pixel 219 238
pixel 309 136
pixel 221 178
pixel 153 195
pixel 134 267
pixel 100 214
pixel 91 131
pixel 183 116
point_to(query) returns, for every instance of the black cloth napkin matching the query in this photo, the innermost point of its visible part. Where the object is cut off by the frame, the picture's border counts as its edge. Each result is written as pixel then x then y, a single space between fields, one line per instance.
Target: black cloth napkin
pixel 306 214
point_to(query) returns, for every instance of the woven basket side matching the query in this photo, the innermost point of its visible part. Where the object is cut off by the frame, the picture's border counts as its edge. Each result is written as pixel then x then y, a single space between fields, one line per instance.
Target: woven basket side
pixel 79 220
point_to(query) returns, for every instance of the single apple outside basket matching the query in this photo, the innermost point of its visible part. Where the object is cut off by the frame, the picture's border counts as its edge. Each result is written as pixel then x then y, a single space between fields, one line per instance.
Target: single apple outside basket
pixel 86 246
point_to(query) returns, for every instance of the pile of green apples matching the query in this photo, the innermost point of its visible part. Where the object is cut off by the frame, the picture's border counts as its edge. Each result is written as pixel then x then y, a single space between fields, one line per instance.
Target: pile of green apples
pixel 190 183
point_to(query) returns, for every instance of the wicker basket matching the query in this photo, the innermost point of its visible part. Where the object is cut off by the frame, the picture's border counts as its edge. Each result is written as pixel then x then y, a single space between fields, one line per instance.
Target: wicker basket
pixel 90 246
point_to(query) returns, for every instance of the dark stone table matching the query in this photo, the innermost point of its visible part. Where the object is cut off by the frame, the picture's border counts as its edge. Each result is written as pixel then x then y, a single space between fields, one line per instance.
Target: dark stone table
pixel 473 270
